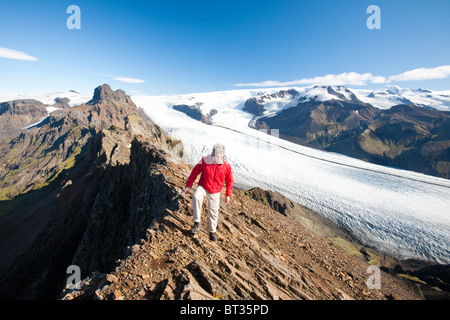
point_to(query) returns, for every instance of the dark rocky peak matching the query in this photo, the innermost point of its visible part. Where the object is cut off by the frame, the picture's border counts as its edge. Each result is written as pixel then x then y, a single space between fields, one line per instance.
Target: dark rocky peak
pixel 195 112
pixel 330 90
pixel 104 92
pixel 61 102
pixel 108 107
pixel 336 91
pixel 17 114
pixel 256 104
pixel 282 94
pixel 422 90
pixel 18 106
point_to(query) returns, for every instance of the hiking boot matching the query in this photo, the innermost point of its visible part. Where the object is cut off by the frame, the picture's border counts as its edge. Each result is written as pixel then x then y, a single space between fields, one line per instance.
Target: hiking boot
pixel 212 236
pixel 196 228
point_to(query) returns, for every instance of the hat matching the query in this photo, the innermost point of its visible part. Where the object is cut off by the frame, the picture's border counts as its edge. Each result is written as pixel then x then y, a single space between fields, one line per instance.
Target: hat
pixel 218 149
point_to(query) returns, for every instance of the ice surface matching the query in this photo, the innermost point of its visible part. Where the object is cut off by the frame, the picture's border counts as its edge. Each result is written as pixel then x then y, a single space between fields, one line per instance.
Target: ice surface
pixel 46 98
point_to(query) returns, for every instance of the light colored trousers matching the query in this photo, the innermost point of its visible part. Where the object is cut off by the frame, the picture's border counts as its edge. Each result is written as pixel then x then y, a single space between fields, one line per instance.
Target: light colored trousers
pixel 213 207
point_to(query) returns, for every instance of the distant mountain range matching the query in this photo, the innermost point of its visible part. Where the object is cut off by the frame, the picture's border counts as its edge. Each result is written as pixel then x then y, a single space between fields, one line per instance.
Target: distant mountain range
pixel 402 128
pixel 407 136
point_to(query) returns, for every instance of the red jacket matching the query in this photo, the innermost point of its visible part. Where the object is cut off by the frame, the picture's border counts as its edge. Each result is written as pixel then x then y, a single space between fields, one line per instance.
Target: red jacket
pixel 213 175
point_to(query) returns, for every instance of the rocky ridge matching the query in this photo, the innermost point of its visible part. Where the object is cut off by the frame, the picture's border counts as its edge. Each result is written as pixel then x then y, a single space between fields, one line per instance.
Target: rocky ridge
pixel 260 254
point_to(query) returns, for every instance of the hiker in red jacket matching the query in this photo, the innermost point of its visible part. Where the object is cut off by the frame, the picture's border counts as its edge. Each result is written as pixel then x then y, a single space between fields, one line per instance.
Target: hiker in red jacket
pixel 215 171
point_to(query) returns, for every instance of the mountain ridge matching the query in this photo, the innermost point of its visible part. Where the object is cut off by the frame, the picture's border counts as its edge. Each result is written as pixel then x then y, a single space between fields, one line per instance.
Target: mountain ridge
pixel 259 254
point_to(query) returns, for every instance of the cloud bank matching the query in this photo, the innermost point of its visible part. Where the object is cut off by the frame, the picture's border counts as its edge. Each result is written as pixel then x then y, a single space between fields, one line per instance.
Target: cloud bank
pixel 441 72
pixel 16 55
pixel 358 79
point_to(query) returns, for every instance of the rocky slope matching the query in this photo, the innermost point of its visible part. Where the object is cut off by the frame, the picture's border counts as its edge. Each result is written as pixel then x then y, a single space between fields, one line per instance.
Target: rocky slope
pixel 260 254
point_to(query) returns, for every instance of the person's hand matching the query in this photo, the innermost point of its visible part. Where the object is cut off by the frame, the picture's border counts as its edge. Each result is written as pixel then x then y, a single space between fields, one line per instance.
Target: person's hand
pixel 187 189
pixel 227 199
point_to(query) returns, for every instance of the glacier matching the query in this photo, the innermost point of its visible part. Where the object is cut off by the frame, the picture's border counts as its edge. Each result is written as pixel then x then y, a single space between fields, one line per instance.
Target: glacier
pixel 401 213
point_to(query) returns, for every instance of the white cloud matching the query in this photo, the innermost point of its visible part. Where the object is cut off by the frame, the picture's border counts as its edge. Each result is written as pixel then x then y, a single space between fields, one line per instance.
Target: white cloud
pixel 123 79
pixel 128 80
pixel 358 79
pixel 346 78
pixel 379 79
pixel 14 54
pixel 440 72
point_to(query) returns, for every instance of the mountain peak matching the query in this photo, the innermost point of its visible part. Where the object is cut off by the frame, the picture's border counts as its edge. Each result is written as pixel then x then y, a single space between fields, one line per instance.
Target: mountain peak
pixel 104 92
pixel 392 89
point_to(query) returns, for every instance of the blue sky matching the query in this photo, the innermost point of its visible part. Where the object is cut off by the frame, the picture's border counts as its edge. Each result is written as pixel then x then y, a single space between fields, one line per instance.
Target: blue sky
pixel 174 47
